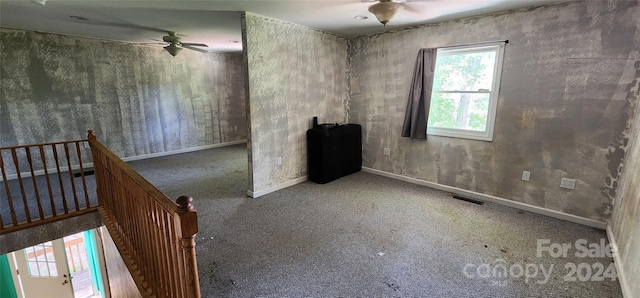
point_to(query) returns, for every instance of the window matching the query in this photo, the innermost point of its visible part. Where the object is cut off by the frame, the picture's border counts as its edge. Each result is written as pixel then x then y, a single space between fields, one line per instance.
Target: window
pixel 465 92
pixel 40 260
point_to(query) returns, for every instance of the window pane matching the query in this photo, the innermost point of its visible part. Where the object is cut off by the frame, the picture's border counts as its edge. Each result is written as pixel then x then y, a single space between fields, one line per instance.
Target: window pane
pixel 40 254
pixel 40 260
pixel 30 253
pixel 33 269
pixel 53 271
pixel 459 111
pixel 44 269
pixel 464 71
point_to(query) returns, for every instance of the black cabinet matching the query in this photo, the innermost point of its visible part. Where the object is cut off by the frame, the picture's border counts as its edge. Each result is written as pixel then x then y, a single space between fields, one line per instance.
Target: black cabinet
pixel 333 151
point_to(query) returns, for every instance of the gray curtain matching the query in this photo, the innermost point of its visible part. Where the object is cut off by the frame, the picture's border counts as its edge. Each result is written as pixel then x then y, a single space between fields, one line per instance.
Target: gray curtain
pixel 415 119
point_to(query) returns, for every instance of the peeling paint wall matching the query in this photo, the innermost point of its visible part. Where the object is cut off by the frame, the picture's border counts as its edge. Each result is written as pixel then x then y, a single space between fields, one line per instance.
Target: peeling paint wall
pixel 565 104
pixel 135 97
pixel 626 216
pixel 294 73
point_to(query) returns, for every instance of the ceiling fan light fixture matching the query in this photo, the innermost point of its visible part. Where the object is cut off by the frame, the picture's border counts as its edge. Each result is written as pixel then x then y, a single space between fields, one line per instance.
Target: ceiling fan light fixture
pixel 173 49
pixel 385 10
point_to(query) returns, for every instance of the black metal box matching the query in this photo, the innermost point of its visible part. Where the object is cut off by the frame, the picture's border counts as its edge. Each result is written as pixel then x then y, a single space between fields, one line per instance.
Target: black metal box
pixel 333 151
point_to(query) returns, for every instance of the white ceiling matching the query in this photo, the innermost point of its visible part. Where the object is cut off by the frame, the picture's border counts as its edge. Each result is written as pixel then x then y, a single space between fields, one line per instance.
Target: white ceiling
pixel 217 23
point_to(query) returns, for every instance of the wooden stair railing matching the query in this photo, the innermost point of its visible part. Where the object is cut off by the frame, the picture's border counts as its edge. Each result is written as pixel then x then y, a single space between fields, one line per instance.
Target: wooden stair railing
pixel 154 235
pixel 44 183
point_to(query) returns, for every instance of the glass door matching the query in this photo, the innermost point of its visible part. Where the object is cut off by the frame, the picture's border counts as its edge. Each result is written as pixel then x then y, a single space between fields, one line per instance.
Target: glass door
pixel 42 270
pixel 85 279
pixel 66 267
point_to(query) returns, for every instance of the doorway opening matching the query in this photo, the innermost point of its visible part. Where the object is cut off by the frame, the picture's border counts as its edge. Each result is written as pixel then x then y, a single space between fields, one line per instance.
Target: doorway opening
pixel 65 267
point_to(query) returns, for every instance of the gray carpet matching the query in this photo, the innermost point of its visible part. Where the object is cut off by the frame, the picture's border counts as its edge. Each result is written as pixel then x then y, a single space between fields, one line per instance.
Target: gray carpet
pixel 59 203
pixel 366 236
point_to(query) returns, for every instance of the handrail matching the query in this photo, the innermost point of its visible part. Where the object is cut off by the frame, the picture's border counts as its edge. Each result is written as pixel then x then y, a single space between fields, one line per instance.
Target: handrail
pixel 46 144
pixel 154 235
pixel 43 183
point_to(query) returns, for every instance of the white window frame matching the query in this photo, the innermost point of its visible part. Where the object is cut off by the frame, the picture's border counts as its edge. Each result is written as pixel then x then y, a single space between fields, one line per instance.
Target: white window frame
pixel 486 135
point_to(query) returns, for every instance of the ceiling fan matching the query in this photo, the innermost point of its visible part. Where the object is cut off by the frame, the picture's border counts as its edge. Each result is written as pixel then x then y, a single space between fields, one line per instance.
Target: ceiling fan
pixel 173 43
pixel 176 45
pixel 385 10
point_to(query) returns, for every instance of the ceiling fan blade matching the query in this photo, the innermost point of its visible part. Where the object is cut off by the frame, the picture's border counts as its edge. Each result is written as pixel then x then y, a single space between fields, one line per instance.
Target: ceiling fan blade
pixel 408 7
pixel 194 44
pixel 151 43
pixel 195 49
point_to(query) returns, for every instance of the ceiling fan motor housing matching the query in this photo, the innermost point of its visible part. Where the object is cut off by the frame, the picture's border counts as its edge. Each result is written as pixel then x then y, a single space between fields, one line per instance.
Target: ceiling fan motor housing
pixel 171 39
pixel 176 45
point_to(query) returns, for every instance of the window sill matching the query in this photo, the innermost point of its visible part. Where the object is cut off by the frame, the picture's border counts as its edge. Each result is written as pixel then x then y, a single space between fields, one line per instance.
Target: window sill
pixel 461 134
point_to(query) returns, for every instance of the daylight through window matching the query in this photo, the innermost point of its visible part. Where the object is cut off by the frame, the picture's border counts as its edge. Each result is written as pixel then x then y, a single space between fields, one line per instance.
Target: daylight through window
pixel 41 261
pixel 465 92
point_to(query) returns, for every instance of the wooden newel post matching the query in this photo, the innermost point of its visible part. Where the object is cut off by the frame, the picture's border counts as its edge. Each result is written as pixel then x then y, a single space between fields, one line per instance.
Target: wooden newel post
pixel 91 136
pixel 188 229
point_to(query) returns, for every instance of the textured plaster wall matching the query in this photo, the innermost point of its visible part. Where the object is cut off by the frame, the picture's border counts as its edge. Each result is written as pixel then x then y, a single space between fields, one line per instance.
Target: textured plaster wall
pixel 565 104
pixel 136 97
pixel 626 216
pixel 294 73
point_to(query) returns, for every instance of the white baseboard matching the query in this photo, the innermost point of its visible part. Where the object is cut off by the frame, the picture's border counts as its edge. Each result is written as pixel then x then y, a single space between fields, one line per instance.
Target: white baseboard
pixel 493 199
pixel 86 166
pixel 185 150
pixel 259 193
pixel 89 165
pixel 626 291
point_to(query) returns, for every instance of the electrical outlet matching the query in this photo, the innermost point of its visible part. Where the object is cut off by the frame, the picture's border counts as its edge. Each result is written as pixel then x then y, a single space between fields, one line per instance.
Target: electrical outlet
pixel 279 161
pixel 568 183
pixel 386 151
pixel 177 134
pixel 86 145
pixel 526 175
pixel 235 128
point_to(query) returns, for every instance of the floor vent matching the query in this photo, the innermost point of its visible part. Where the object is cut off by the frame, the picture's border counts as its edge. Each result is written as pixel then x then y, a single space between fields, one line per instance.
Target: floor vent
pixel 468 200
pixel 86 173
